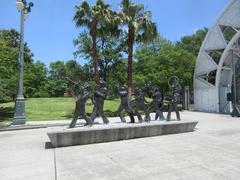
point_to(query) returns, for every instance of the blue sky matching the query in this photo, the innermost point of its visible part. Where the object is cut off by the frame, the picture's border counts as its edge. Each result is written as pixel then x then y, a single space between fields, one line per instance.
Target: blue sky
pixel 50 30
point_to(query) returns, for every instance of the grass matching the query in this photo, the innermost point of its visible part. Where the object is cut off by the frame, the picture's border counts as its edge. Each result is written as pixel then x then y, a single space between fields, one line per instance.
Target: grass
pixel 52 109
pixel 39 109
pixel 4 126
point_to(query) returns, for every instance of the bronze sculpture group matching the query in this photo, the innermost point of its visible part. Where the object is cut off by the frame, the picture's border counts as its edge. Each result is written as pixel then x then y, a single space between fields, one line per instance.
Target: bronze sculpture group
pixel 132 107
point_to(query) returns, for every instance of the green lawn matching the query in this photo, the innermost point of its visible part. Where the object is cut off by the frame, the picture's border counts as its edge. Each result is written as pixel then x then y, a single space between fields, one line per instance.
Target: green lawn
pixel 53 108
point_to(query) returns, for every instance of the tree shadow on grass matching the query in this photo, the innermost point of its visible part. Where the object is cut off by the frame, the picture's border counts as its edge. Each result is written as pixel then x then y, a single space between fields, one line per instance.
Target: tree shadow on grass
pixel 6 113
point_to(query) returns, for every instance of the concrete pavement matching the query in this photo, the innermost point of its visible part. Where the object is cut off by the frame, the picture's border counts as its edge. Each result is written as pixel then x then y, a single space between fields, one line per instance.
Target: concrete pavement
pixel 211 152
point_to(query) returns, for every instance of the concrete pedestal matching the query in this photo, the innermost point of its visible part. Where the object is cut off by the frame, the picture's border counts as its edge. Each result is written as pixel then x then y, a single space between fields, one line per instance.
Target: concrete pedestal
pixel 63 136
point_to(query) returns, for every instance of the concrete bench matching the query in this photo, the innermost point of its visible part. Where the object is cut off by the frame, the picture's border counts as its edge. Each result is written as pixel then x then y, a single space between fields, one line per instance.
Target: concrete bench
pixel 63 136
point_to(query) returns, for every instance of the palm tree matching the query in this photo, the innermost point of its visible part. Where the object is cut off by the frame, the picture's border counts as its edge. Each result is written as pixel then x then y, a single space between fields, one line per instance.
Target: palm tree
pixel 95 19
pixel 140 28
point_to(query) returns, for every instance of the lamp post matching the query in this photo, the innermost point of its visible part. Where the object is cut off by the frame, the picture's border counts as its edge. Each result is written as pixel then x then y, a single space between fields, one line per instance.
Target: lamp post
pixel 19 115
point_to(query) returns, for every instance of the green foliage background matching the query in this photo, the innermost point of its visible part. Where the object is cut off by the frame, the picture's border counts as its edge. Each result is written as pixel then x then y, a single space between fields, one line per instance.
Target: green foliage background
pixel 154 63
pixel 167 60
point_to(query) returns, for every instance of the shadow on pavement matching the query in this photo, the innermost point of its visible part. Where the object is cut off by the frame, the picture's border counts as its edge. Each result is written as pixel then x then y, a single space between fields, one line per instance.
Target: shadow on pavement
pixel 49 145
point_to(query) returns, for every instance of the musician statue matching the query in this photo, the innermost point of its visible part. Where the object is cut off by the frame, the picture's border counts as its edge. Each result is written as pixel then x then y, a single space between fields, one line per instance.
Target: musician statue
pixel 98 101
pixel 175 98
pixel 157 104
pixel 138 104
pixel 83 94
pixel 125 105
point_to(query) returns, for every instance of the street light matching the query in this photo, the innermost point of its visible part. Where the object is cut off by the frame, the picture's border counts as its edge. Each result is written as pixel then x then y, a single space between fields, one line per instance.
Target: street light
pixel 20 4
pixel 19 115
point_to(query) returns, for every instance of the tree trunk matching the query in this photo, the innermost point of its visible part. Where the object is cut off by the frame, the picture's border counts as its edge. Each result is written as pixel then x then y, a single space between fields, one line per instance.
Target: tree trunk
pixel 95 58
pixel 130 56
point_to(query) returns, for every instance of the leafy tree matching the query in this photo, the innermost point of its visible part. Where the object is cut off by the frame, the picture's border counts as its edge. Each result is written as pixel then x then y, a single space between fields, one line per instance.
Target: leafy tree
pixel 193 42
pixel 56 84
pixel 74 70
pixel 169 60
pixel 152 47
pixel 11 39
pixel 110 55
pixel 84 44
pixel 52 82
pixel 88 72
pixel 97 19
pixel 109 50
pixel 117 76
pixel 57 70
pixel 8 71
pixel 9 53
pixel 140 28
pixel 35 76
pixel 54 88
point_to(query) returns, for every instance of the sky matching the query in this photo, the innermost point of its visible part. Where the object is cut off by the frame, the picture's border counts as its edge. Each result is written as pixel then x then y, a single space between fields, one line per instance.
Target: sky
pixel 50 30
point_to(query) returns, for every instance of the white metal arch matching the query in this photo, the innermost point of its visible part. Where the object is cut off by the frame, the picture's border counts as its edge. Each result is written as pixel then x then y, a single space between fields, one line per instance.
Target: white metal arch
pixel 213 78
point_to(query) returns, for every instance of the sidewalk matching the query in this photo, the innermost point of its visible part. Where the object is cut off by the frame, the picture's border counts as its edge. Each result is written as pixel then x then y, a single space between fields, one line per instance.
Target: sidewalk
pixel 34 125
pixel 211 152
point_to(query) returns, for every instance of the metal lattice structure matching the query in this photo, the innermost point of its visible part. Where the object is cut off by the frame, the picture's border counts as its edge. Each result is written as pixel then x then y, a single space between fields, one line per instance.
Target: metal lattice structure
pixel 214 67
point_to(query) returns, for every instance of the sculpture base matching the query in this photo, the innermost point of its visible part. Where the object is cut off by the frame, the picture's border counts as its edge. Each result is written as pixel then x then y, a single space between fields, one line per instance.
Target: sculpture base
pixel 18 121
pixel 63 136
